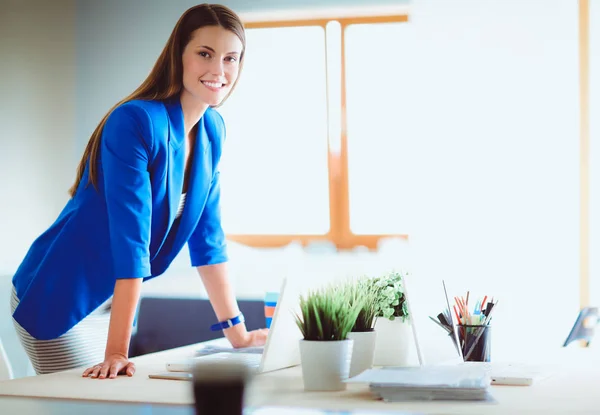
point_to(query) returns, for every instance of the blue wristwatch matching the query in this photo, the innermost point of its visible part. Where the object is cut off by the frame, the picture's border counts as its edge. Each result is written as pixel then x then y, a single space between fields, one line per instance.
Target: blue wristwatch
pixel 228 323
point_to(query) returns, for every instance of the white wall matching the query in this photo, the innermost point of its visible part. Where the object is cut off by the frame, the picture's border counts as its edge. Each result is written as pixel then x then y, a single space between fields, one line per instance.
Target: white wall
pixel 497 120
pixel 37 115
pixel 37 157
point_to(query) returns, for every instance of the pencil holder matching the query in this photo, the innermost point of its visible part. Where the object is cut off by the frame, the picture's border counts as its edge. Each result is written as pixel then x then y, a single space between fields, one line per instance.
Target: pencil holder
pixel 475 342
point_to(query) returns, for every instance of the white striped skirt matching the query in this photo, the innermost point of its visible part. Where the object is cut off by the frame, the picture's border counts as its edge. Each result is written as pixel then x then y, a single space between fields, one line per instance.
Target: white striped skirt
pixel 81 347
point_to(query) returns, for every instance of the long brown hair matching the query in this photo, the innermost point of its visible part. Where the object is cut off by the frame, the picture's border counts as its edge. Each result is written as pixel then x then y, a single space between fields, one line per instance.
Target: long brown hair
pixel 166 78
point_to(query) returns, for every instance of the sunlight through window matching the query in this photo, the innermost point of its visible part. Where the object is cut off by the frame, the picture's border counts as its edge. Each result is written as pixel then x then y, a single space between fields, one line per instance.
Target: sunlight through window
pixel 274 174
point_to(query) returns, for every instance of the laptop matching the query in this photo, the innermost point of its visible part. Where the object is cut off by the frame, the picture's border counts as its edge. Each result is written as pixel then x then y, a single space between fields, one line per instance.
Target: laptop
pixel 281 349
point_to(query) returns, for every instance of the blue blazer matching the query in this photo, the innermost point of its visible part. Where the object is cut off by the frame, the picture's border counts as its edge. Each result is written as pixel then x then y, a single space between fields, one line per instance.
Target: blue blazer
pixel 126 227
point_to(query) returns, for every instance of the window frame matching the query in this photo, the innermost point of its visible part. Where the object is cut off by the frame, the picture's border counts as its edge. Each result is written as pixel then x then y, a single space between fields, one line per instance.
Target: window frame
pixel 340 233
pixel 584 153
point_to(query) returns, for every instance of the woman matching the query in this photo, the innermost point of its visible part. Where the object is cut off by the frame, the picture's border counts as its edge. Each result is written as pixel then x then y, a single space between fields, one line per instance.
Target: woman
pixel 147 184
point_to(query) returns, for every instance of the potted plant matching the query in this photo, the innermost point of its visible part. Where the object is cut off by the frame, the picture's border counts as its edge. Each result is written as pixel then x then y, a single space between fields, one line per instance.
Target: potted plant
pixel 392 321
pixel 326 317
pixel 363 332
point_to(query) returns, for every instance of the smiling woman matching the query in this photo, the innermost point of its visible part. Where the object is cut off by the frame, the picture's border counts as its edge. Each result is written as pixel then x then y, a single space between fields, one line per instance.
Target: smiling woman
pixel 147 184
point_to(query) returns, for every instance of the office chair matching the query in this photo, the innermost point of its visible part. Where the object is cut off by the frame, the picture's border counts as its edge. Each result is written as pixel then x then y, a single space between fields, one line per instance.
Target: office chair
pixel 165 323
pixel 584 326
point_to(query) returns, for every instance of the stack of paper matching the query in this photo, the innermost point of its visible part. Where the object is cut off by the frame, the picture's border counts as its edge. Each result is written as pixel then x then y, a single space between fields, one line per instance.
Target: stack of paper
pixel 427 383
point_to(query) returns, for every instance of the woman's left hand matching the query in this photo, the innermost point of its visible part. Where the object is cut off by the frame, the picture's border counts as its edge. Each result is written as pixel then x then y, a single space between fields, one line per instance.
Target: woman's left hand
pixel 112 366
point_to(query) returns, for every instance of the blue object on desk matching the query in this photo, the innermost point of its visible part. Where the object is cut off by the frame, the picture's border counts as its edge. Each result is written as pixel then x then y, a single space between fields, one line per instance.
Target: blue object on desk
pixel 271 299
pixel 584 327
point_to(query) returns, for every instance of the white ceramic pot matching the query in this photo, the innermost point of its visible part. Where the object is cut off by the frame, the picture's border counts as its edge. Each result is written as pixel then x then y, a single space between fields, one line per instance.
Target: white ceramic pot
pixel 325 364
pixel 392 345
pixel 363 351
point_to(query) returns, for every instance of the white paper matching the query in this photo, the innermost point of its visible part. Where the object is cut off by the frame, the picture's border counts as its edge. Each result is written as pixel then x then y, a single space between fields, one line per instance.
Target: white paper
pixel 428 376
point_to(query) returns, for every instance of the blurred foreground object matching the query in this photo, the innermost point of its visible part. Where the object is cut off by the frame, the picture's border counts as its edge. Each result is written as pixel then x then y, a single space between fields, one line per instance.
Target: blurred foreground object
pixel 219 388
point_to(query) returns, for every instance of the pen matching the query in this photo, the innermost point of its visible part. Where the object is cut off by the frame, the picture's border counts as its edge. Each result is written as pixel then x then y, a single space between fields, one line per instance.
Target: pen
pixel 488 308
pixel 443 320
pixel 483 302
pixel 449 315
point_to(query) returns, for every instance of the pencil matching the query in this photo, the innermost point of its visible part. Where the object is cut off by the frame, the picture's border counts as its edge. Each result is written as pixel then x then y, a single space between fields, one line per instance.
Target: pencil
pixel 457 316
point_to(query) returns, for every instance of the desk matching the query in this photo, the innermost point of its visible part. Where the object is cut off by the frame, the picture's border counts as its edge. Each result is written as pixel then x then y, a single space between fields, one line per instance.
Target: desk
pixel 572 389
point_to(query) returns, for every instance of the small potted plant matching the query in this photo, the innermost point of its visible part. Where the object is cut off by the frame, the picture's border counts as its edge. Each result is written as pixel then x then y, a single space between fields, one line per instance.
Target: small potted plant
pixel 326 317
pixel 363 332
pixel 392 321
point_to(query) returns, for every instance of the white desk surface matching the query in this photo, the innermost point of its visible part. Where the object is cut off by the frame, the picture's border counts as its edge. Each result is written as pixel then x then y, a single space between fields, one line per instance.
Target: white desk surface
pixel 573 388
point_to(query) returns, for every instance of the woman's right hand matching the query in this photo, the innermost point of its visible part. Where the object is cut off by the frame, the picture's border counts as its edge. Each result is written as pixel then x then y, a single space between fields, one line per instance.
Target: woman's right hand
pixel 113 365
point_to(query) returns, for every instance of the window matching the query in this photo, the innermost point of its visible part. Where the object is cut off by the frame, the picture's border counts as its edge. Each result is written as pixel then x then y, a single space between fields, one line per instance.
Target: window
pixel 378 140
pixel 284 170
pixel 274 166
